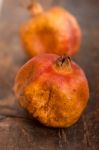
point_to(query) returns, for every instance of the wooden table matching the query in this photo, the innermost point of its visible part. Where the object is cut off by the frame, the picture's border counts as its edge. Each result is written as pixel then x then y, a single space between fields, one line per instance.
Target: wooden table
pixel 17 130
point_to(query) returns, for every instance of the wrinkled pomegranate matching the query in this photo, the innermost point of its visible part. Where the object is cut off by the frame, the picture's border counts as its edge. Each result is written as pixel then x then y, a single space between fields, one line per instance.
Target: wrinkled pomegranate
pixel 53 89
pixel 53 31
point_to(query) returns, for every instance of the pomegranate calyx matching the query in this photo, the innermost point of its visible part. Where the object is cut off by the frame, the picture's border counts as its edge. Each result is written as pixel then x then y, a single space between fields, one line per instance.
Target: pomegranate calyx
pixel 35 8
pixel 64 63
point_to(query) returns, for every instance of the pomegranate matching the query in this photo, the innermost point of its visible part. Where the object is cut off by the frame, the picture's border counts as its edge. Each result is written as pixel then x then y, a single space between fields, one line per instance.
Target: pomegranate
pixel 53 89
pixel 52 31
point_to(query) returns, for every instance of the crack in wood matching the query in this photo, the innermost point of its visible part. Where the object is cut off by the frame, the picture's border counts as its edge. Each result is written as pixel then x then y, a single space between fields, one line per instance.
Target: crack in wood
pixel 19 117
pixel 2 117
pixel 63 139
pixel 60 139
pixel 86 135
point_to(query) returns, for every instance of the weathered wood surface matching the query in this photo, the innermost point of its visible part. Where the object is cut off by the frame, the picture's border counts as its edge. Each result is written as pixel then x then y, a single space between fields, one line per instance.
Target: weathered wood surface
pixel 17 130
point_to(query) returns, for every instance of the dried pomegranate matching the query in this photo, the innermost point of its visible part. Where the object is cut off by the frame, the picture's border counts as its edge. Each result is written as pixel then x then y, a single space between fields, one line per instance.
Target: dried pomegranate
pixel 53 31
pixel 53 89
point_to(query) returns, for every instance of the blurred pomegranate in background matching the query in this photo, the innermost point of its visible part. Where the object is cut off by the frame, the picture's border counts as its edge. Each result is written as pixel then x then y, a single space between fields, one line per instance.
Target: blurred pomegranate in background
pixel 52 31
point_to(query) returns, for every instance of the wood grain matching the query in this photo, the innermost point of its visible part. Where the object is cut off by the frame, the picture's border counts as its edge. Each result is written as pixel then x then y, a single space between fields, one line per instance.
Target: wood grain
pixel 18 130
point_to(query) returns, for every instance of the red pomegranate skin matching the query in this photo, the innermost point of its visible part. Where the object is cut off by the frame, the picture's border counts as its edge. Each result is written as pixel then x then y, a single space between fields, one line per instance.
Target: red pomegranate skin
pixel 53 89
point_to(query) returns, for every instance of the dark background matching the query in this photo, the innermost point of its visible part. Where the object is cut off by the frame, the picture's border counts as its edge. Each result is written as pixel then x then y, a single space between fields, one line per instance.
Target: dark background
pixel 17 130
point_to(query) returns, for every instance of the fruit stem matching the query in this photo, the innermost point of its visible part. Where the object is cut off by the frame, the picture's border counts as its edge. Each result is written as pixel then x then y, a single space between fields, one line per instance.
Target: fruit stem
pixel 35 8
pixel 64 62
